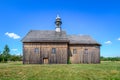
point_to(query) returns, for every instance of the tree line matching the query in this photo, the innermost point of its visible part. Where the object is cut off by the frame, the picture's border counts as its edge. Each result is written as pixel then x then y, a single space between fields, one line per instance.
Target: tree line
pixel 109 58
pixel 5 55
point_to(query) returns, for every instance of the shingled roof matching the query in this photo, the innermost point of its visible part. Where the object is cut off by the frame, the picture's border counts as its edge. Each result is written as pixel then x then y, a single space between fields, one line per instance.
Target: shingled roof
pixel 81 39
pixel 45 36
pixel 53 36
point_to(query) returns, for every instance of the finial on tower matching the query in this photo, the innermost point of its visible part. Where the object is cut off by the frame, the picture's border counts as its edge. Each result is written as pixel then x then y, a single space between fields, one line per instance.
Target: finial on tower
pixel 58 23
pixel 57 16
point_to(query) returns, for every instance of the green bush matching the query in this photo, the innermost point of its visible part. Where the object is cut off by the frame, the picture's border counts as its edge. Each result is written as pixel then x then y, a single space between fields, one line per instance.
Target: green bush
pixel 69 62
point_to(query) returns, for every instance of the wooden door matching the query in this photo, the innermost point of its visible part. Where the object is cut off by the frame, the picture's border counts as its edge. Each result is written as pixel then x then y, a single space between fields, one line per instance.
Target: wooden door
pixel 45 60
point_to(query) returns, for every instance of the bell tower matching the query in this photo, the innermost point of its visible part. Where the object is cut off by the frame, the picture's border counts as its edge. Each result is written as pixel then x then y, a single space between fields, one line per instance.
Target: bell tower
pixel 58 23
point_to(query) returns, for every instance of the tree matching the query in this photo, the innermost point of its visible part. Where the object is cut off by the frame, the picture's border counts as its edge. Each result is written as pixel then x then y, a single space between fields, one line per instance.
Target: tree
pixel 0 56
pixel 6 53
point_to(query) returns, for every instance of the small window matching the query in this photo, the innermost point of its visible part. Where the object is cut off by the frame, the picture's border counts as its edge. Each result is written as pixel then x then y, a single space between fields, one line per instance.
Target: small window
pixel 74 51
pixel 36 50
pixel 86 51
pixel 54 50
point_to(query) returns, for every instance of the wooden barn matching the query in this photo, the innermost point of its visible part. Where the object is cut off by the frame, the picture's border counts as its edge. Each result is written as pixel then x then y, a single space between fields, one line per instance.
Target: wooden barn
pixel 57 47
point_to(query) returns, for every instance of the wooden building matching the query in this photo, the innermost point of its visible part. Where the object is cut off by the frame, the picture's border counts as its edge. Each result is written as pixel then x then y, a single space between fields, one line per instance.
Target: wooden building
pixel 56 47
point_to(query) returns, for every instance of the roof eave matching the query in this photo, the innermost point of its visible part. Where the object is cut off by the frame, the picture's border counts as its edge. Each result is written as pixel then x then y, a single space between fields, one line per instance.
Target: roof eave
pixel 46 41
pixel 86 44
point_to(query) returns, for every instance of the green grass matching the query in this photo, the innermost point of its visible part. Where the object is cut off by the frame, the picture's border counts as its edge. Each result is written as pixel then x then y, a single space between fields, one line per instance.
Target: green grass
pixel 18 71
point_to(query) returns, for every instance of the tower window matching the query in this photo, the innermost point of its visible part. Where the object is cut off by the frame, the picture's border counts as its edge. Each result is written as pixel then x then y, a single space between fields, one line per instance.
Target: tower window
pixel 54 50
pixel 36 50
pixel 74 51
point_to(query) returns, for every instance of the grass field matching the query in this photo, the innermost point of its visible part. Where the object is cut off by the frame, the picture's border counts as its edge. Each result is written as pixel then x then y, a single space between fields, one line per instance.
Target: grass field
pixel 18 71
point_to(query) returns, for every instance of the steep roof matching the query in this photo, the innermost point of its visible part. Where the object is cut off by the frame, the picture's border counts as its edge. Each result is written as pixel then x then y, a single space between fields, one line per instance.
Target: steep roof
pixel 45 36
pixel 81 39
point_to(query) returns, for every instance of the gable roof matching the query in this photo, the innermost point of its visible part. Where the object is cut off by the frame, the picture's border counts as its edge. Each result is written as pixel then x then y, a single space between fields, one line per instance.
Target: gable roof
pixel 45 36
pixel 82 39
pixel 53 36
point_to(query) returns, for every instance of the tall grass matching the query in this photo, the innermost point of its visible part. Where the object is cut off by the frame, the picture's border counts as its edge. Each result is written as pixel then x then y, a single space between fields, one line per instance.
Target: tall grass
pixel 17 71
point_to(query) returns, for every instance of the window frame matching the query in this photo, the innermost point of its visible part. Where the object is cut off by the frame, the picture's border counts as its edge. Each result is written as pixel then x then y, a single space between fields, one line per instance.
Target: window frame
pixel 74 51
pixel 86 51
pixel 53 50
pixel 36 50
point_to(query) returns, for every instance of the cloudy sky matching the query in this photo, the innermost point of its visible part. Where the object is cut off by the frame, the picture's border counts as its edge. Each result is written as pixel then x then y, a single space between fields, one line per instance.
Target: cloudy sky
pixel 97 18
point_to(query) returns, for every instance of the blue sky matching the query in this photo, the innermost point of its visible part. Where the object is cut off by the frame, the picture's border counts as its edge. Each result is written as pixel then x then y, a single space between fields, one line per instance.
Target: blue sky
pixel 97 18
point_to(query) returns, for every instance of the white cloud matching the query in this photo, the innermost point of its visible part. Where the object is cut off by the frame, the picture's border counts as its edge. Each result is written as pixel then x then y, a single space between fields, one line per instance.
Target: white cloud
pixel 17 53
pixel 119 39
pixel 14 49
pixel 12 35
pixel 108 42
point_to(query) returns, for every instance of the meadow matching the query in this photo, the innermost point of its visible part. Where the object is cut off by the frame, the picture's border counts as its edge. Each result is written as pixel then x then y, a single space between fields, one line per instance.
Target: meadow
pixel 107 70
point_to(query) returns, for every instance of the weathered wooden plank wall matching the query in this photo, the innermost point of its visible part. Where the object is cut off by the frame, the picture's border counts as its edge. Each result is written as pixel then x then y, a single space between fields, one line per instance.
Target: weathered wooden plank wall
pixel 45 51
pixel 92 55
pixel 84 53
